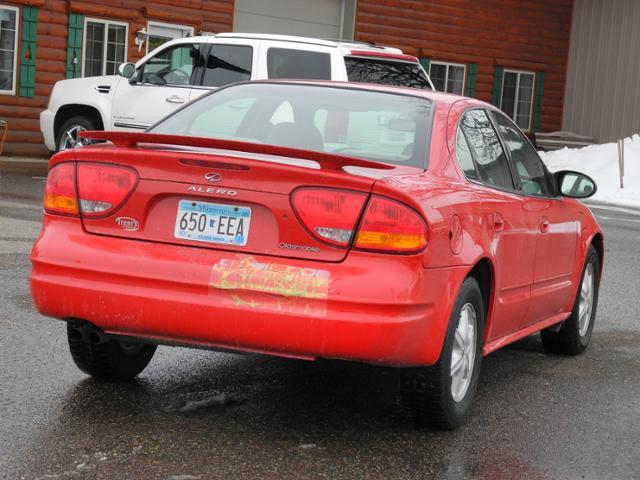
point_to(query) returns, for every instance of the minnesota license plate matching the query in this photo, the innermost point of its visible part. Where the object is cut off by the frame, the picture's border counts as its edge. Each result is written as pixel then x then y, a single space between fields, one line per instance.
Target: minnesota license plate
pixel 212 223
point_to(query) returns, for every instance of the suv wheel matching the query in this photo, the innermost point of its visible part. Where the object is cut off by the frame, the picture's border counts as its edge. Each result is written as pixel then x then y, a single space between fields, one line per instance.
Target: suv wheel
pixel 68 135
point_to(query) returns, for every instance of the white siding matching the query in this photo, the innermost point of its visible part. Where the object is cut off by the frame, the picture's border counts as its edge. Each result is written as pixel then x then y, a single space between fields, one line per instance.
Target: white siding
pixel 602 94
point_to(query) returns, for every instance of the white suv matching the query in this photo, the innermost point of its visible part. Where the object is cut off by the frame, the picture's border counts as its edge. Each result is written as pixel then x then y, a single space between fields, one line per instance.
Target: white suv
pixel 181 70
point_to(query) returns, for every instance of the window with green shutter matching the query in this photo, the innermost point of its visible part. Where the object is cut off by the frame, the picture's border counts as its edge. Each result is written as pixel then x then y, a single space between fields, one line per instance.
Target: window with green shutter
pixel 471 79
pixel 9 16
pixel 28 52
pixel 497 86
pixel 447 77
pixel 539 92
pixel 74 45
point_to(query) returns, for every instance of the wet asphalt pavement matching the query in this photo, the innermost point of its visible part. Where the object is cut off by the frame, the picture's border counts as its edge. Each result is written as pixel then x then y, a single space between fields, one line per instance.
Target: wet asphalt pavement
pixel 196 415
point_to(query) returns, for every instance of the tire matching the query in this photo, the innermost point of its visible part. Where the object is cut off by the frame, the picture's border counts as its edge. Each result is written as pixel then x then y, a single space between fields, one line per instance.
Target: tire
pixel 72 126
pixel 431 395
pixel 572 338
pixel 106 358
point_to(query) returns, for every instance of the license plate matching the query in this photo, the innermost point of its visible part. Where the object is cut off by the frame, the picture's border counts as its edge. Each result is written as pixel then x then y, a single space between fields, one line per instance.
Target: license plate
pixel 212 223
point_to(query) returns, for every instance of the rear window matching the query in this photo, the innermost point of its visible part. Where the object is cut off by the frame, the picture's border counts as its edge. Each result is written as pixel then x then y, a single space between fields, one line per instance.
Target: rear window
pixel 386 72
pixel 379 126
pixel 300 64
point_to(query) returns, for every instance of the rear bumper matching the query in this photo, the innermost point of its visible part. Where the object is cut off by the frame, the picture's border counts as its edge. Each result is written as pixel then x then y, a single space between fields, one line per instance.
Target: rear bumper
pixel 372 308
pixel 47 118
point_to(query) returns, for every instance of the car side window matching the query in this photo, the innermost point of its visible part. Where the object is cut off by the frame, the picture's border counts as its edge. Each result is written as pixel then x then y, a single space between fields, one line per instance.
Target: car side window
pixel 172 66
pixel 300 64
pixel 529 169
pixel 486 151
pixel 464 157
pixel 227 64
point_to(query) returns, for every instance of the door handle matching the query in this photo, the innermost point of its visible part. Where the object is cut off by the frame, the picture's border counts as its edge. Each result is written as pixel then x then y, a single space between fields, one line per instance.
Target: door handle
pixel 544 225
pixel 174 99
pixel 498 222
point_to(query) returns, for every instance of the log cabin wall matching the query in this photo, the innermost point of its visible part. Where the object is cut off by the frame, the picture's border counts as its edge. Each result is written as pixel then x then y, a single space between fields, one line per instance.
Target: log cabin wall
pixel 488 37
pixel 492 39
pixel 22 110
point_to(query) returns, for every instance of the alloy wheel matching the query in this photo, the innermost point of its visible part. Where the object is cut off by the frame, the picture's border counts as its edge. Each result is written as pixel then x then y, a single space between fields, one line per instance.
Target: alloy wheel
pixel 585 307
pixel 463 354
pixel 71 138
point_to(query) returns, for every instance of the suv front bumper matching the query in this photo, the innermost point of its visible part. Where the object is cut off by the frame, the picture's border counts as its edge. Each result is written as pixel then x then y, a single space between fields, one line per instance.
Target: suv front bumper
pixel 47 119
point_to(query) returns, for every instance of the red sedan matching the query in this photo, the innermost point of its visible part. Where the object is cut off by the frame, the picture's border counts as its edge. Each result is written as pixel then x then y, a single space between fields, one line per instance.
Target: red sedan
pixel 376 224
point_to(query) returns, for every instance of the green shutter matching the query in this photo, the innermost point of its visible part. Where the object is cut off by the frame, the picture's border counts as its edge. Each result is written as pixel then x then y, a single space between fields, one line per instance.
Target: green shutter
pixel 74 45
pixel 498 77
pixel 28 52
pixel 471 79
pixel 424 61
pixel 537 119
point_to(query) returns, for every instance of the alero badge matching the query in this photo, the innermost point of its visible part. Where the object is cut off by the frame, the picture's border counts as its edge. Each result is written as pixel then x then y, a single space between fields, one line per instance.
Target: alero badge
pixel 213 177
pixel 129 224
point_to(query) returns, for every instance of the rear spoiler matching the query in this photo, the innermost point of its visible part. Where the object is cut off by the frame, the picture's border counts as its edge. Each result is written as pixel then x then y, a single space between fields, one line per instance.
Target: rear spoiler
pixel 328 161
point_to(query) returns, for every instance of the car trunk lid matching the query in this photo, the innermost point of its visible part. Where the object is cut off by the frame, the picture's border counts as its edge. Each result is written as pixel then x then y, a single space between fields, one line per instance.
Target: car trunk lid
pixel 222 195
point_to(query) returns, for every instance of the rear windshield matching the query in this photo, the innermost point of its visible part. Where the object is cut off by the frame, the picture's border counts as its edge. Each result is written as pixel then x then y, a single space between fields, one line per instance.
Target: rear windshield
pixel 386 72
pixel 377 126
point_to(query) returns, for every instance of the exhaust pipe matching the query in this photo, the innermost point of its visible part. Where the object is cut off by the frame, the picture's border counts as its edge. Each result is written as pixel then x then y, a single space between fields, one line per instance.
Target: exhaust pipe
pixel 83 330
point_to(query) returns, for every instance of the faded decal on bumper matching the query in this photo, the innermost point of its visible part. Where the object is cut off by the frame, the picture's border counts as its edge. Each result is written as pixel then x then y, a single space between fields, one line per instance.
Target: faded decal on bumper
pixel 272 286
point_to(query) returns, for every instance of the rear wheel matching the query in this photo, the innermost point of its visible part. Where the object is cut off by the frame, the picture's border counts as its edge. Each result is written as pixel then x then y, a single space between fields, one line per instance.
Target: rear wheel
pixel 104 357
pixel 575 332
pixel 442 395
pixel 68 136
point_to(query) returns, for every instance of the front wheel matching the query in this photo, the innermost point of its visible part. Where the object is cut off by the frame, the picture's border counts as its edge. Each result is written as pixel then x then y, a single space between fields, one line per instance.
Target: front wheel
pixel 442 395
pixel 69 134
pixel 575 332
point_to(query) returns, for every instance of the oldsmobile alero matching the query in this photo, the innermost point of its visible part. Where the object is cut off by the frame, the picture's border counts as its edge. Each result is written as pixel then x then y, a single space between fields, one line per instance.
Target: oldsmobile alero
pixel 375 224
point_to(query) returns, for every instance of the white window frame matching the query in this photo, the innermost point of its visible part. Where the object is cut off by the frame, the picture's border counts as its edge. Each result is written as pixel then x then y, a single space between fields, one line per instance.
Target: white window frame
pixel 175 26
pixel 446 77
pixel 104 48
pixel 515 101
pixel 15 49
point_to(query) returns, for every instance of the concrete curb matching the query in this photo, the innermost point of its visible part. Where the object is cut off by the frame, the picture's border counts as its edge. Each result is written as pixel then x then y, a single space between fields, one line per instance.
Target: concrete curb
pixel 22 164
pixel 615 207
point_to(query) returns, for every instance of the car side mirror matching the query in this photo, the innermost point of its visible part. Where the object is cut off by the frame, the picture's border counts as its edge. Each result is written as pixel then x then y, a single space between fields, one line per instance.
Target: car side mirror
pixel 127 70
pixel 574 184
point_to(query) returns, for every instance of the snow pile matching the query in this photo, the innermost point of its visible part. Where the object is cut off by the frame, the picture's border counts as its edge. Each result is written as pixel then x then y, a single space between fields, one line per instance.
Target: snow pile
pixel 600 162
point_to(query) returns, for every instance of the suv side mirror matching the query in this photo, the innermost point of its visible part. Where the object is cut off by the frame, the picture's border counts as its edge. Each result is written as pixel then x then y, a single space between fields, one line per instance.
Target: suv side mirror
pixel 574 184
pixel 127 70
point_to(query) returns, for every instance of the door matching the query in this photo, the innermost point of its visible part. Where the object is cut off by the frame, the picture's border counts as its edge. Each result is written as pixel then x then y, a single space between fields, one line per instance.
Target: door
pixel 161 33
pixel 556 224
pixel 504 216
pixel 161 85
pixel 307 18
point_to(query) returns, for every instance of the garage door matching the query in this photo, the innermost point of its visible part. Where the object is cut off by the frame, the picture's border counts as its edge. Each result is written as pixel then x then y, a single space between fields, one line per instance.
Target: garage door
pixel 309 18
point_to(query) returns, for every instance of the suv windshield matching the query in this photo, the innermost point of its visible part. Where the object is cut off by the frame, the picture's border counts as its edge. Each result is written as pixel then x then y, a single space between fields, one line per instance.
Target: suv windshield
pixel 379 126
pixel 386 72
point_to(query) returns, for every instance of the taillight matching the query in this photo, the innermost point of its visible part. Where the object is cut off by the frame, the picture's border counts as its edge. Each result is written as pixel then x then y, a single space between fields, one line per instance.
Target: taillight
pixel 390 226
pixel 103 188
pixel 330 215
pixel 60 190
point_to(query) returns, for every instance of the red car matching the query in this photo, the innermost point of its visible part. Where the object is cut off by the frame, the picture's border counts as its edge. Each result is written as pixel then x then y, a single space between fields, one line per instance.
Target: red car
pixel 376 224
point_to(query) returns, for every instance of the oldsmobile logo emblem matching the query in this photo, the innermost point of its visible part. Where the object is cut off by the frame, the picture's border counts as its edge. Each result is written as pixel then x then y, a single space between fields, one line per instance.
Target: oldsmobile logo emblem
pixel 213 177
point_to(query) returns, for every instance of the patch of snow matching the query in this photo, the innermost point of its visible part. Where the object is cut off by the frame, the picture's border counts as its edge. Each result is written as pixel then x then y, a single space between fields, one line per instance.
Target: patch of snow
pixel 217 400
pixel 307 446
pixel 600 162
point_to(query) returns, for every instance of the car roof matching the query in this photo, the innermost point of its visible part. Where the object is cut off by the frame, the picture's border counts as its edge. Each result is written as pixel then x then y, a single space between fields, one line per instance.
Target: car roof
pixel 344 45
pixel 442 98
